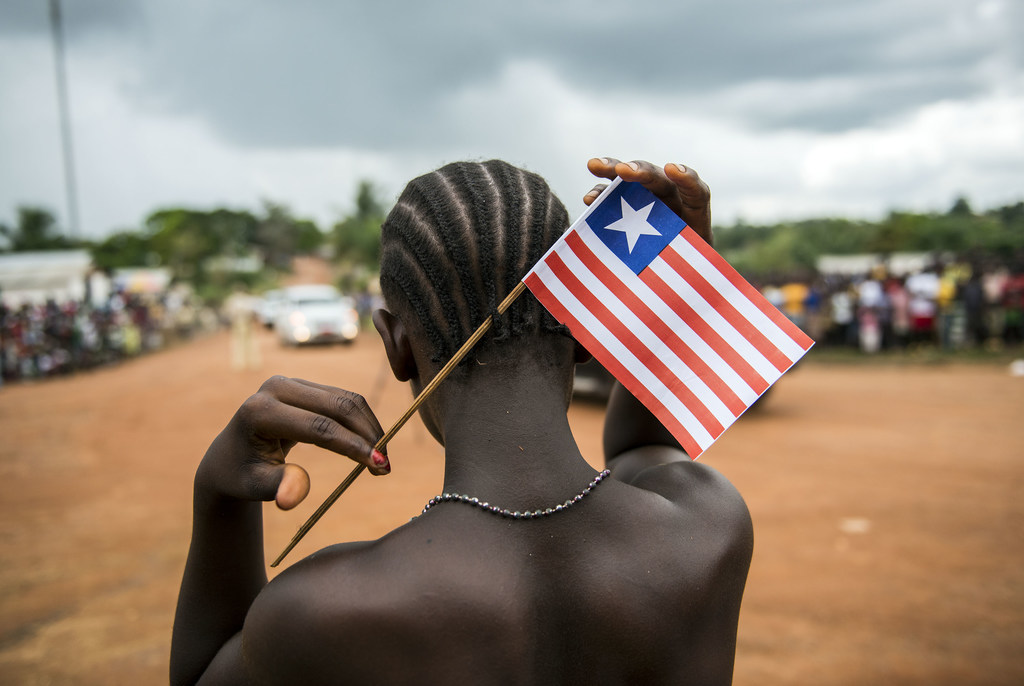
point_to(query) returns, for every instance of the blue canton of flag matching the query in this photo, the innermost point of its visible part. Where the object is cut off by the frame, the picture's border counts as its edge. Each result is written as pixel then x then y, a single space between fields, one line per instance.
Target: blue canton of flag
pixel 634 224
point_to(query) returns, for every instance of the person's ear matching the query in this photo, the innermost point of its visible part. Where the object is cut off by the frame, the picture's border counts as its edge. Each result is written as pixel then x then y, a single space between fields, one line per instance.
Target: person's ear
pixel 396 344
pixel 581 354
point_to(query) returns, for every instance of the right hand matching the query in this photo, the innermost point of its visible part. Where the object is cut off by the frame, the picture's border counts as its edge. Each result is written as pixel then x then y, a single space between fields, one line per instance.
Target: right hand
pixel 678 186
pixel 247 459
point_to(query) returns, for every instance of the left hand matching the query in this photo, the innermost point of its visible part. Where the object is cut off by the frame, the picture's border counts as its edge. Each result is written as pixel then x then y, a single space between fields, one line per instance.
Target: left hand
pixel 676 185
pixel 247 459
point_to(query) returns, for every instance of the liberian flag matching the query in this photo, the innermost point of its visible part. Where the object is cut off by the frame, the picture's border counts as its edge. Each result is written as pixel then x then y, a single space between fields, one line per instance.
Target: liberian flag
pixel 665 314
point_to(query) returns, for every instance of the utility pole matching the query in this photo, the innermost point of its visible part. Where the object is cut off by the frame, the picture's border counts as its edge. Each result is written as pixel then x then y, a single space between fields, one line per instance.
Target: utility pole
pixel 70 189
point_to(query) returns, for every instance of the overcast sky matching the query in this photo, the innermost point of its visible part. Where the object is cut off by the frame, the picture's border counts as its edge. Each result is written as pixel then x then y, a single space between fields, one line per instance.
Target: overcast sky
pixel 788 108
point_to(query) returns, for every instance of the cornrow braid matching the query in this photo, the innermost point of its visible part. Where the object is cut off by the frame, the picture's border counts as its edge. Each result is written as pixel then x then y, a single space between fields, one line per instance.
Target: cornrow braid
pixel 459 240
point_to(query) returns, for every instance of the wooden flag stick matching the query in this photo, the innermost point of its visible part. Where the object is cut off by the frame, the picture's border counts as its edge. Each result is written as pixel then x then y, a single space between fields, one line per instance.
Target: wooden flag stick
pixel 424 394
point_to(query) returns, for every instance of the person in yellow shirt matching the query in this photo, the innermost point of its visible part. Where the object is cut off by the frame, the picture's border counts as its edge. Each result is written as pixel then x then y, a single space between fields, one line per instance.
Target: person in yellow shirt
pixel 794 295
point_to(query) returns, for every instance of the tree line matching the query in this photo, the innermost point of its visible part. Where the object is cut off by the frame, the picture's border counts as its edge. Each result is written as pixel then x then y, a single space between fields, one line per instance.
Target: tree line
pixel 794 247
pixel 208 248
pixel 199 246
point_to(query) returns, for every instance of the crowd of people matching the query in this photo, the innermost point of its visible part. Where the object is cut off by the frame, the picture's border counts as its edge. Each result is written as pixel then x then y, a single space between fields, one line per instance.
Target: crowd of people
pixel 952 306
pixel 51 338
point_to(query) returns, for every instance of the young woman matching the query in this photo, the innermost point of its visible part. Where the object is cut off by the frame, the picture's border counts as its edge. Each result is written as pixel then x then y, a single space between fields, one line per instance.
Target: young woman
pixel 631 579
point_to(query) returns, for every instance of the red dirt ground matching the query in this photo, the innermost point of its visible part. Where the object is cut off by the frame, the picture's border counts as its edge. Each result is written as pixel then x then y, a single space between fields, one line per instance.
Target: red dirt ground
pixel 886 504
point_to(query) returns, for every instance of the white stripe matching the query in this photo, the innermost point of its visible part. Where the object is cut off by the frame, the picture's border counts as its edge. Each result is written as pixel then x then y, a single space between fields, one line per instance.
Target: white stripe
pixel 779 338
pixel 650 340
pixel 733 338
pixel 677 324
pixel 626 358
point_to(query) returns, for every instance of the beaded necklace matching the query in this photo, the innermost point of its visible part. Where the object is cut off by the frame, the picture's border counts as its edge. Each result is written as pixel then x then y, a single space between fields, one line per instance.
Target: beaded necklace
pixel 516 514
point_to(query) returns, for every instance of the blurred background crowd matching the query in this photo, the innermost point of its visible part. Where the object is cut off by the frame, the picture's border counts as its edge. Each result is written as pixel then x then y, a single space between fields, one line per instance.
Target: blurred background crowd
pixel 948 306
pixel 953 306
pixel 944 281
pixel 53 338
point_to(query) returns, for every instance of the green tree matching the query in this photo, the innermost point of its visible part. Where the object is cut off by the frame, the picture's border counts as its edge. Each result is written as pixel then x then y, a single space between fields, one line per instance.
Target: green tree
pixel 795 247
pixel 234 231
pixel 309 238
pixel 1007 238
pixel 1011 215
pixel 281 236
pixel 36 230
pixel 961 208
pixel 356 238
pixel 183 239
pixel 124 249
pixel 789 247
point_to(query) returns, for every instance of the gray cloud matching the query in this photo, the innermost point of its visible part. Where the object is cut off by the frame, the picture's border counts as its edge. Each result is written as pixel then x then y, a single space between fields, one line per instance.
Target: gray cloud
pixel 779 102
pixel 382 75
pixel 87 17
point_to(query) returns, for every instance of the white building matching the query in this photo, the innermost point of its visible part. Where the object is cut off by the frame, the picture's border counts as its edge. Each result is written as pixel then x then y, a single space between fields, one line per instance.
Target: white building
pixel 61 275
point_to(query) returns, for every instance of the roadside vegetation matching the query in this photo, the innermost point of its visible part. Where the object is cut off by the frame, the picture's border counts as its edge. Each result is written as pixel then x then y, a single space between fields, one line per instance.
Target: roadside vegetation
pixel 217 249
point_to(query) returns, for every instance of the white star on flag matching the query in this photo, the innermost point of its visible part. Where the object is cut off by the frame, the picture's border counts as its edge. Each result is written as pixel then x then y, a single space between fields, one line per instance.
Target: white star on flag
pixel 634 223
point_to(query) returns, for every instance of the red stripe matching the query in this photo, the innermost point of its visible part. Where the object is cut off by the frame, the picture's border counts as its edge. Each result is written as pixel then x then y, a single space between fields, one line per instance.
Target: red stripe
pixel 634 345
pixel 725 308
pixel 741 284
pixel 591 343
pixel 656 324
pixel 739 365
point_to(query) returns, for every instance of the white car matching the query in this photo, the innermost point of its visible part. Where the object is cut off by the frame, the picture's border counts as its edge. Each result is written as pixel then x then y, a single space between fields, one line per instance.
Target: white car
pixel 270 306
pixel 316 314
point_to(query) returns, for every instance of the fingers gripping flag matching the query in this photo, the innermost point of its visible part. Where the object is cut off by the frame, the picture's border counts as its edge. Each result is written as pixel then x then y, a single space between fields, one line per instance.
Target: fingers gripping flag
pixel 665 314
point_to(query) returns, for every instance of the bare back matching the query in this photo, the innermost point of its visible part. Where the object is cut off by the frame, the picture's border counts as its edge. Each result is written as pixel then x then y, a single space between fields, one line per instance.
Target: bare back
pixel 630 586
pixel 641 582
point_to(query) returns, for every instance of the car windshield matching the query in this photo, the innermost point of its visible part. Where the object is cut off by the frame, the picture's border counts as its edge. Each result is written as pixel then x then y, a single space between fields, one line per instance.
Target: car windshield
pixel 317 301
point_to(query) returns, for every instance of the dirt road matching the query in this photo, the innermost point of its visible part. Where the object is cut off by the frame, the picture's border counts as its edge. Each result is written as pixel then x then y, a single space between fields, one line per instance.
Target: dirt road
pixel 886 504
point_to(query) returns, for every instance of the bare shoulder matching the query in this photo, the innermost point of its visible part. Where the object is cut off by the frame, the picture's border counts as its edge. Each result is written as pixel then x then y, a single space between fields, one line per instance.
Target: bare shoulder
pixel 319 620
pixel 698 490
pixel 339 615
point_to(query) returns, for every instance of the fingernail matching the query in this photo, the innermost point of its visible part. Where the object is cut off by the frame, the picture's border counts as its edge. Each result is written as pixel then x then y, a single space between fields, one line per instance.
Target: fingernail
pixel 605 161
pixel 681 168
pixel 380 459
pixel 634 166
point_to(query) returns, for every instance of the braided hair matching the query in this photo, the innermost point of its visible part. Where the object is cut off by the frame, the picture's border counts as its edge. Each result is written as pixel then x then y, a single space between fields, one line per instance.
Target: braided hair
pixel 459 240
